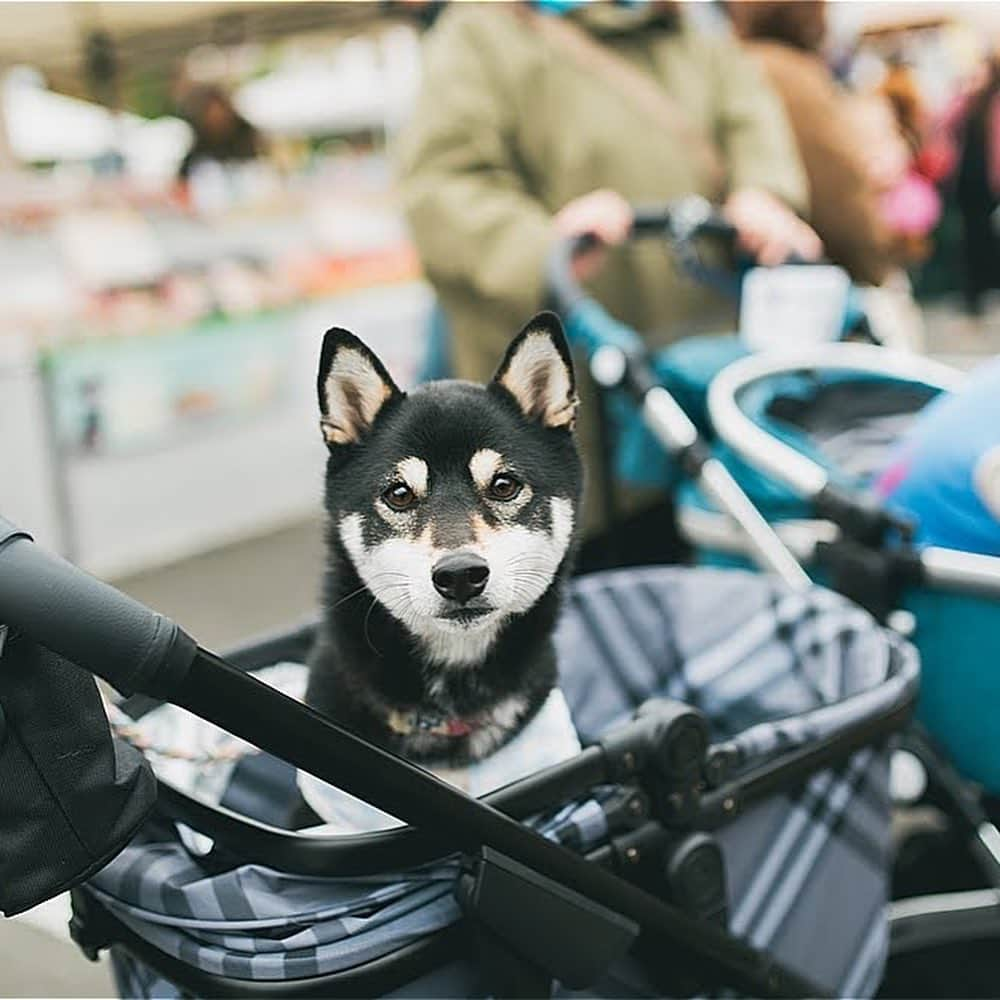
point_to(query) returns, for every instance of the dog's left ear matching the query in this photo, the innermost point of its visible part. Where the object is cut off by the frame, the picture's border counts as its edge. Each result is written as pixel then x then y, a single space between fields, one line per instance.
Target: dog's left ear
pixel 538 372
pixel 353 386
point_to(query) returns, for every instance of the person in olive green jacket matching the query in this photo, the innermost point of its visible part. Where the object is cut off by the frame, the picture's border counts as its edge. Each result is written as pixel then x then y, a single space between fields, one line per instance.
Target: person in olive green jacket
pixel 517 141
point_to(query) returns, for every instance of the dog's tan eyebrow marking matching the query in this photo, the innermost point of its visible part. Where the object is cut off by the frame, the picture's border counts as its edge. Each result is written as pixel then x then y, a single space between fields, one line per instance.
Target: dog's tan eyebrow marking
pixel 414 472
pixel 484 465
pixel 481 531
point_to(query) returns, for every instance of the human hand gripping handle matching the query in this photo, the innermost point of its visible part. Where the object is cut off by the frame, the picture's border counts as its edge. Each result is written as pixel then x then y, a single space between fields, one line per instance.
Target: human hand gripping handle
pixel 769 231
pixel 765 228
pixel 604 216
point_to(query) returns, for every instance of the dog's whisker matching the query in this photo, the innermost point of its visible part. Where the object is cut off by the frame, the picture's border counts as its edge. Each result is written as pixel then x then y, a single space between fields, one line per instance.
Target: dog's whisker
pixel 368 638
pixel 353 593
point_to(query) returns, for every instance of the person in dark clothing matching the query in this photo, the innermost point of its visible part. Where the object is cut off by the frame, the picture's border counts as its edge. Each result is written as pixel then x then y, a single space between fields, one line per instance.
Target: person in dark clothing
pixel 221 133
pixel 977 189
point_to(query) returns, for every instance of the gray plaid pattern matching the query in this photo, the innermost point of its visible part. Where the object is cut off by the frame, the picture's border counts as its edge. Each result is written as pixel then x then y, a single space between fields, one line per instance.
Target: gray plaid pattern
pixel 807 873
pixel 257 923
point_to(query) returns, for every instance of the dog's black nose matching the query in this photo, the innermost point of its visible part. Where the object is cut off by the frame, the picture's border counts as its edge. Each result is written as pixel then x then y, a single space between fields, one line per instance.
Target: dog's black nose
pixel 460 576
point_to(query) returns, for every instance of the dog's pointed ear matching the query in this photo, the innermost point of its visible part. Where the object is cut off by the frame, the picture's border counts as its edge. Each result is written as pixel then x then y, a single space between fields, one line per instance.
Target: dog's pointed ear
pixel 538 372
pixel 353 386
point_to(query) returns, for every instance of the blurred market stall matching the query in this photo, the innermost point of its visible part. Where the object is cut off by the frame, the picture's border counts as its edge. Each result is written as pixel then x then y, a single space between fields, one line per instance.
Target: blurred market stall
pixel 158 342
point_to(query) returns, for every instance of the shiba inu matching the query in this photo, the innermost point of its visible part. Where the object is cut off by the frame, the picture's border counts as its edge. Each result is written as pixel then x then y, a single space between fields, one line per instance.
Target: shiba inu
pixel 452 514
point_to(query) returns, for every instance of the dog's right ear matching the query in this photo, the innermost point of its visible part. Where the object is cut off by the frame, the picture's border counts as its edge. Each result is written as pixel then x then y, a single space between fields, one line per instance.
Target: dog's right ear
pixel 353 386
pixel 537 371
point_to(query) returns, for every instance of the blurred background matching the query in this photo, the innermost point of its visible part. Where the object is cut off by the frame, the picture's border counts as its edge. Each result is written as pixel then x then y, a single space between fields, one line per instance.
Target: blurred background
pixel 190 195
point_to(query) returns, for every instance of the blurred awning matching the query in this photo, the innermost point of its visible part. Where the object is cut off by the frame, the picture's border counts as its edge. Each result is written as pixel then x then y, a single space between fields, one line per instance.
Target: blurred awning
pixel 52 36
pixel 361 84
pixel 43 126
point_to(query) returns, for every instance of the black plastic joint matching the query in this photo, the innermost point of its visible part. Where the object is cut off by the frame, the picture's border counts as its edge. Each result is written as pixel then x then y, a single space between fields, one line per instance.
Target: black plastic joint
pixel 627 808
pixel 665 737
pixel 541 922
pixel 693 457
pixel 720 763
pixel 637 854
pixel 640 376
pixel 86 928
pixel 695 874
pixel 860 518
pixel 678 739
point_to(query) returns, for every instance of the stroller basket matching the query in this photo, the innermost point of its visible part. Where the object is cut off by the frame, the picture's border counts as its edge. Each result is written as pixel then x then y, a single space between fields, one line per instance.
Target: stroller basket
pixel 808 463
pixel 762 760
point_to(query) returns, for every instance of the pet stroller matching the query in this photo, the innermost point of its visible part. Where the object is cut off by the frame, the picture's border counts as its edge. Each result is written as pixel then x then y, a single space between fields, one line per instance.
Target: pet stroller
pixel 725 825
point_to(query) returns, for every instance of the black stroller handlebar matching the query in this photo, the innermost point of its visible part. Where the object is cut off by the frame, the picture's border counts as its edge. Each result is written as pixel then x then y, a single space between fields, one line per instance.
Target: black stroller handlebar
pixel 682 220
pixel 679 223
pixel 87 621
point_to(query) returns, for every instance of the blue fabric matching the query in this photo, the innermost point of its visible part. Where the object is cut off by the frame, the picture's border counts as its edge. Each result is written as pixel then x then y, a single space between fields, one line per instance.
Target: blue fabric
pixel 932 470
pixel 685 369
pixel 590 326
pixel 773 499
pixel 437 358
pixel 959 645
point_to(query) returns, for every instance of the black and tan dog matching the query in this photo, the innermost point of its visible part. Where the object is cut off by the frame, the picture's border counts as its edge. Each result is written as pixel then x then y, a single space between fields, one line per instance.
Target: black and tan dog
pixel 452 516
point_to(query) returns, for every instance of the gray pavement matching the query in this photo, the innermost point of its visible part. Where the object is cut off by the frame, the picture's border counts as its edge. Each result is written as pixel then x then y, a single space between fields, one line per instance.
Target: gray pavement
pixel 227 595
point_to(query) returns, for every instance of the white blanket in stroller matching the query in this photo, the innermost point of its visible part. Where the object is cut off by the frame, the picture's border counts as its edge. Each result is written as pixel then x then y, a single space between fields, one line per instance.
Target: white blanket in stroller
pixel 198 758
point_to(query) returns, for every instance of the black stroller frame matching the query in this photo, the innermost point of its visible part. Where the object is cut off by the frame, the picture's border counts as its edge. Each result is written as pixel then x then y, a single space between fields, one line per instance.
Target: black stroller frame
pixel 583 912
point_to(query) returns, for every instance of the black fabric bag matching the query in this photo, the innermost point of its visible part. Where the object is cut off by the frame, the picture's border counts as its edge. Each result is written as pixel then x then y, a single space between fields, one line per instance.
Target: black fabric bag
pixel 71 794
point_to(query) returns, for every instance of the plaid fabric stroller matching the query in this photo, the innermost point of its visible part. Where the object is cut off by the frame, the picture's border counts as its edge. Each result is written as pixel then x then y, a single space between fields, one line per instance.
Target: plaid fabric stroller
pixel 729 809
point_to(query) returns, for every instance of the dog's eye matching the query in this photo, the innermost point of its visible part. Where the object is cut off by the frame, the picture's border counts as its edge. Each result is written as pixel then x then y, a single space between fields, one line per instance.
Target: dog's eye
pixel 504 487
pixel 399 496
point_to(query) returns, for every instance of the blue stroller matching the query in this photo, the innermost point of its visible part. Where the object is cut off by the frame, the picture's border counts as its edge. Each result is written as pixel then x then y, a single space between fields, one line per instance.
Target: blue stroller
pixel 801 430
pixel 728 812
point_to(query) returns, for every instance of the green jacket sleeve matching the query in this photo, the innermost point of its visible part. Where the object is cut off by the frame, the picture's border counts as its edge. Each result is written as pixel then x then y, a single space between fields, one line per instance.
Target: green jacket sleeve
pixel 757 141
pixel 475 224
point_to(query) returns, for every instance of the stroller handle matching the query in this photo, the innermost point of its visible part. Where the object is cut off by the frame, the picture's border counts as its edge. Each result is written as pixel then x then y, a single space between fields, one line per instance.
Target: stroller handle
pixel 680 223
pixel 87 621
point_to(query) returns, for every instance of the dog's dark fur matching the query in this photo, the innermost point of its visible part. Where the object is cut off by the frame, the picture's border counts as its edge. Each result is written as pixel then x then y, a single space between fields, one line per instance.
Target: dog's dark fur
pixel 369 669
